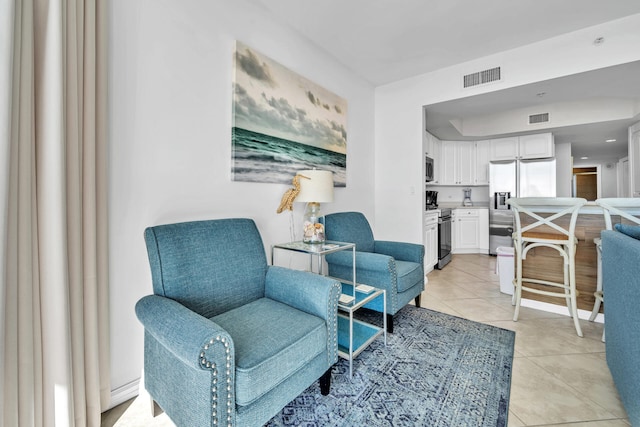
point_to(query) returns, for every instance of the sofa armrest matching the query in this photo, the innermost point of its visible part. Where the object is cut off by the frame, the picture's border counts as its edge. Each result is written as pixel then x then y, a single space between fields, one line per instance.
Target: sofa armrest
pixel 195 340
pixel 309 292
pixel 364 260
pixel 401 251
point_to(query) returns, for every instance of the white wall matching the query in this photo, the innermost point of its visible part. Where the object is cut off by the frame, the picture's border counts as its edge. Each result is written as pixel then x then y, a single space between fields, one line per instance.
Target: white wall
pixel 564 167
pixel 170 139
pixel 399 105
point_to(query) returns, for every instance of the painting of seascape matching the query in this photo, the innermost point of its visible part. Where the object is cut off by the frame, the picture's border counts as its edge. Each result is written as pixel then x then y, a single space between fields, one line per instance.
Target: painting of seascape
pixel 283 123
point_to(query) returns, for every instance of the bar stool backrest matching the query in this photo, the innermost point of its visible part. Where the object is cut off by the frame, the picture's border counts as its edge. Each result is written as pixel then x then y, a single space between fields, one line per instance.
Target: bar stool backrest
pixel 544 228
pixel 626 207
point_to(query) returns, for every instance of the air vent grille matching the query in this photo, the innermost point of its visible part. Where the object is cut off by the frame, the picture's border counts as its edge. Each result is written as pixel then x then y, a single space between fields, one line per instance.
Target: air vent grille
pixel 482 77
pixel 538 118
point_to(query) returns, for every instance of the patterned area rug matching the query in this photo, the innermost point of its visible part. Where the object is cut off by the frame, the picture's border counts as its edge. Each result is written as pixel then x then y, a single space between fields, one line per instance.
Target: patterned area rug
pixel 437 370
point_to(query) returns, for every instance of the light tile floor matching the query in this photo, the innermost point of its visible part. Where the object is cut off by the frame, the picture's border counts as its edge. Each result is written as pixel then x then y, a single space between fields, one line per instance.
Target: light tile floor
pixel 558 379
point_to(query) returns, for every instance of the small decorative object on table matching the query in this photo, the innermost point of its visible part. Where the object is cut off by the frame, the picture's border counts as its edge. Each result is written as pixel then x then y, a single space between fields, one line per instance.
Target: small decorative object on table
pixel 315 187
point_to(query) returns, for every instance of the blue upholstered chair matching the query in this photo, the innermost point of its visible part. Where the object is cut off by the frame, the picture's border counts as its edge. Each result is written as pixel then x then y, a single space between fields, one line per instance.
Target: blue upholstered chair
pixel 229 340
pixel 621 285
pixel 396 267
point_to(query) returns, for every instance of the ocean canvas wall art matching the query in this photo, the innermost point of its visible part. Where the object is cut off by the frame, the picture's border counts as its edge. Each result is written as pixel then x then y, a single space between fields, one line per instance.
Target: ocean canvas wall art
pixel 283 123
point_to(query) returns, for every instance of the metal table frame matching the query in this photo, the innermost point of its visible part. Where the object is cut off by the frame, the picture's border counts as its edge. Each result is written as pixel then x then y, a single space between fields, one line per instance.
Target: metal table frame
pixel 363 333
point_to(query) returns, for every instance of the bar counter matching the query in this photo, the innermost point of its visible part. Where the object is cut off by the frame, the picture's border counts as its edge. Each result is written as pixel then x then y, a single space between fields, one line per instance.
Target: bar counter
pixel 547 264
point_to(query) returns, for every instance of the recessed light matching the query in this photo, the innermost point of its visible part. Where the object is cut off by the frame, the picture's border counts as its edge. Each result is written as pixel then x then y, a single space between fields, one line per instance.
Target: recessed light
pixel 610 140
pixel 584 158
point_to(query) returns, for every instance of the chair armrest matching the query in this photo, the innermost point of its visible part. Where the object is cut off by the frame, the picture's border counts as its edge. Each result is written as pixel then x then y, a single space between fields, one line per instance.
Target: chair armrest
pixel 195 340
pixel 401 251
pixel 364 260
pixel 309 292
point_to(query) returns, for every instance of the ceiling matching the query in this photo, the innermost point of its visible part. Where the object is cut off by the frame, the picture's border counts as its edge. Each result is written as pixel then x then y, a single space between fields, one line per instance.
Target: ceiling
pixel 385 41
pixel 611 87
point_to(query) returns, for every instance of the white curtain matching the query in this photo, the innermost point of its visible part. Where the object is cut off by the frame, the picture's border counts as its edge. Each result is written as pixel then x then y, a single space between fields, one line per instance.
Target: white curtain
pixel 56 285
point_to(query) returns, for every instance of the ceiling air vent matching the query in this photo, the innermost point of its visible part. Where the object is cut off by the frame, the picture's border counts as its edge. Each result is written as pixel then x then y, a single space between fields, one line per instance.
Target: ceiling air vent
pixel 538 118
pixel 482 77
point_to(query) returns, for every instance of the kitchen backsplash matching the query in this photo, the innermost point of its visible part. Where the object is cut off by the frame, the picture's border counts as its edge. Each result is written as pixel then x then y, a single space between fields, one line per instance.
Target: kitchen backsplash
pixel 450 194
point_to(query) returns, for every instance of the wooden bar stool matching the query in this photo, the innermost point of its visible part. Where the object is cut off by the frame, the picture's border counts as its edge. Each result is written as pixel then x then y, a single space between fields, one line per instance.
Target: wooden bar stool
pixel 627 208
pixel 545 231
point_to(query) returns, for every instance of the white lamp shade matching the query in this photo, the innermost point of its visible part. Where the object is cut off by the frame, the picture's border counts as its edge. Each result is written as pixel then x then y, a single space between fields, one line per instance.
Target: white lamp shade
pixel 318 188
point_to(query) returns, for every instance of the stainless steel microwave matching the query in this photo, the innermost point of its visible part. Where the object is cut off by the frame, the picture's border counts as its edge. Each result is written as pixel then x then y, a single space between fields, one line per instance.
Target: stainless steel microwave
pixel 428 168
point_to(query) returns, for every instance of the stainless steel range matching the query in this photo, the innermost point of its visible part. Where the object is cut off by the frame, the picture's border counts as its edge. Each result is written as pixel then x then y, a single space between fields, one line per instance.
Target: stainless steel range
pixel 444 238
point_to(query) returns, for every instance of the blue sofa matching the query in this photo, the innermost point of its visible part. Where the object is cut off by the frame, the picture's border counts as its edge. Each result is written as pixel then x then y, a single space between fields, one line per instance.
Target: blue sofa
pixel 621 287
pixel 229 340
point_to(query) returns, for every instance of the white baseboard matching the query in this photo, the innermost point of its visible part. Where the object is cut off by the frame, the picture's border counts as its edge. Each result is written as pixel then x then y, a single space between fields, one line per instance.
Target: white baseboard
pixel 559 309
pixel 124 393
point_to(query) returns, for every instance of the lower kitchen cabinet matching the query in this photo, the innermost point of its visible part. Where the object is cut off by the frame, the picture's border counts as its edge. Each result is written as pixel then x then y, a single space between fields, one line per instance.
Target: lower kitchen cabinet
pixel 430 241
pixel 470 230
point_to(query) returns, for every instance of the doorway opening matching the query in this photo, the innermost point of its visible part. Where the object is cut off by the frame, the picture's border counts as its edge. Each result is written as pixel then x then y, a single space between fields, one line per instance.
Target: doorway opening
pixel 586 182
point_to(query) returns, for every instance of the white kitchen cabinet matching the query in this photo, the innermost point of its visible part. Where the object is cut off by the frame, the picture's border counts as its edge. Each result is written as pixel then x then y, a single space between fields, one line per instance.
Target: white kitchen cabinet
pixel 470 230
pixel 432 148
pixel 504 148
pixel 536 146
pixel 483 152
pixel 430 241
pixel 429 144
pixel 448 162
pixel 458 163
pixel 465 230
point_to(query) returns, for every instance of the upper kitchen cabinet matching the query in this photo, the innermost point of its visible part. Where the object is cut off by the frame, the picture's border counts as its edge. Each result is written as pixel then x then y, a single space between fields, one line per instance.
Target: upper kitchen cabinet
pixel 431 145
pixel 537 146
pixel 483 153
pixel 458 163
pixel 504 148
pixel 432 148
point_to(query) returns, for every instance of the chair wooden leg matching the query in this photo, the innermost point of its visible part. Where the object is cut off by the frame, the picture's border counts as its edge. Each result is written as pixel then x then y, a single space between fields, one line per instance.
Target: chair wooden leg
pixel 155 408
pixel 417 301
pixel 389 323
pixel 325 382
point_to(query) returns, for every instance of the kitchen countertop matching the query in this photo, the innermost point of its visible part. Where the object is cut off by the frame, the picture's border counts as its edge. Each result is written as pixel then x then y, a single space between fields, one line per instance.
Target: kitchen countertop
pixel 458 205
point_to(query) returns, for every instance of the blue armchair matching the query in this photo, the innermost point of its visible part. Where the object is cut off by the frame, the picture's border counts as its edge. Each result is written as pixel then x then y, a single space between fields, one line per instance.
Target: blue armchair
pixel 229 340
pixel 396 267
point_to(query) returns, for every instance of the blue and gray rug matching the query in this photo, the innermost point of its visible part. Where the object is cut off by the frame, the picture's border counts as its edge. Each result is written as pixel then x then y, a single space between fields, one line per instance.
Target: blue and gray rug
pixel 437 370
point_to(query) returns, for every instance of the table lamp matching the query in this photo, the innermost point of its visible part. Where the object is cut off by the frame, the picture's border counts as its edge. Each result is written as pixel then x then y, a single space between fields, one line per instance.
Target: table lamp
pixel 318 188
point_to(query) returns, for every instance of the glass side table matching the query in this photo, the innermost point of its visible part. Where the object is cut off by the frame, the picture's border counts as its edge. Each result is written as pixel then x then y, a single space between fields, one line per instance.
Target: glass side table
pixel 353 335
pixel 319 250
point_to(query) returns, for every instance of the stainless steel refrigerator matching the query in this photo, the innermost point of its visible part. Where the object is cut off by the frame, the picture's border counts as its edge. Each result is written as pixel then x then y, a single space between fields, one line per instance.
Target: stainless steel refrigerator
pixel 515 178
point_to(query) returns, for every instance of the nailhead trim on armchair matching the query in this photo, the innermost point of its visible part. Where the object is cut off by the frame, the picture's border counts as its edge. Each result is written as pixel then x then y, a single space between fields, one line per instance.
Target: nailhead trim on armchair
pixel 214 388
